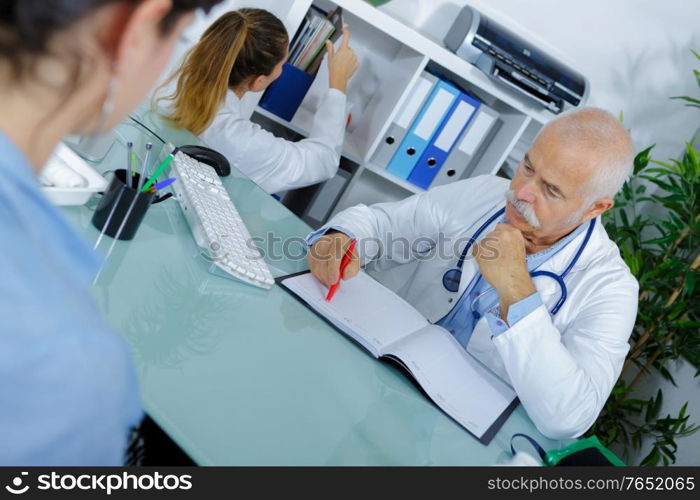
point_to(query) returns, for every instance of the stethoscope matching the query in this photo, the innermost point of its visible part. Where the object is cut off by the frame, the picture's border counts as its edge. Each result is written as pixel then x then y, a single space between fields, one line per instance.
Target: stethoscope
pixel 452 277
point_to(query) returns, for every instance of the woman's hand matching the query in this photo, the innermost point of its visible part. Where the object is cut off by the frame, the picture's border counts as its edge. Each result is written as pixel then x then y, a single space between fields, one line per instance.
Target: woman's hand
pixel 341 63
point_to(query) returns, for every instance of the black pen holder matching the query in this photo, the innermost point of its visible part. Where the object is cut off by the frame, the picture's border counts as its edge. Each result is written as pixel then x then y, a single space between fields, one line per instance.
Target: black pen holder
pixel 122 207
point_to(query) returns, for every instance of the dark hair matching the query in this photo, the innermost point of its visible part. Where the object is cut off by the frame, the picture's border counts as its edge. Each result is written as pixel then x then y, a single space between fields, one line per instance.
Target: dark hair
pixel 240 45
pixel 26 26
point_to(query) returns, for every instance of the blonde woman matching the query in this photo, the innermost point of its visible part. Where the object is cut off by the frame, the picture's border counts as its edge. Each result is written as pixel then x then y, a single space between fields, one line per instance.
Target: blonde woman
pixel 243 51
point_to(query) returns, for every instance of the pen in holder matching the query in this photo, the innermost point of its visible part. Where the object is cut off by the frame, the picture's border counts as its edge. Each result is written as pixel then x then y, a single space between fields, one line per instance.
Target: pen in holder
pixel 122 207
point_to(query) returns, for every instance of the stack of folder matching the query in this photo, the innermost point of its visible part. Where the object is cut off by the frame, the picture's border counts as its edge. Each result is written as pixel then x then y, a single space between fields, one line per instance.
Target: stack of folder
pixel 307 48
pixel 285 94
pixel 438 136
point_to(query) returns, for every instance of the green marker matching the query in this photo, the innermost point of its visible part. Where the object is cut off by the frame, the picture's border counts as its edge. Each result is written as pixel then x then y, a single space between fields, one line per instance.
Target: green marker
pixel 133 164
pixel 158 171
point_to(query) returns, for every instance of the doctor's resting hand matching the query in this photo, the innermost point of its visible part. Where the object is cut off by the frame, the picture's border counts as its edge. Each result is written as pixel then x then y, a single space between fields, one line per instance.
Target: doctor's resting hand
pixel 342 63
pixel 501 259
pixel 326 254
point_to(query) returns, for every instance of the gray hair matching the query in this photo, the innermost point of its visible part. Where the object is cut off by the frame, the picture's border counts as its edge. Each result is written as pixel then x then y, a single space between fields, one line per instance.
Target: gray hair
pixel 597 130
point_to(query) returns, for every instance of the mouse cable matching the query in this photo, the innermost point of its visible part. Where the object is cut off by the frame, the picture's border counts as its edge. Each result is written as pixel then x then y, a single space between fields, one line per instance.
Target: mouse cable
pixel 132 117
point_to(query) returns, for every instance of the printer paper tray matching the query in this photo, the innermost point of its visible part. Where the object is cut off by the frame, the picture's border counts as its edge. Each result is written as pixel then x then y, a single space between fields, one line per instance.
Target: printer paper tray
pixel 554 105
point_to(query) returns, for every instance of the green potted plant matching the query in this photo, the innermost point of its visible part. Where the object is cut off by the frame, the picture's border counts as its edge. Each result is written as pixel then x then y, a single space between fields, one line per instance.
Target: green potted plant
pixel 656 222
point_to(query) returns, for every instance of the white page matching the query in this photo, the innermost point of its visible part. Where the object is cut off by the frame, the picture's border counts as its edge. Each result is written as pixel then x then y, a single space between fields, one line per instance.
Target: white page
pixel 458 384
pixel 477 131
pixel 423 86
pixel 362 307
pixel 454 126
pixel 434 114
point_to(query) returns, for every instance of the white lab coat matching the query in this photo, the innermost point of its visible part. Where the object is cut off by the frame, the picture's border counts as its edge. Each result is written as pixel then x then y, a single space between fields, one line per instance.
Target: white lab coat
pixel 277 164
pixel 563 368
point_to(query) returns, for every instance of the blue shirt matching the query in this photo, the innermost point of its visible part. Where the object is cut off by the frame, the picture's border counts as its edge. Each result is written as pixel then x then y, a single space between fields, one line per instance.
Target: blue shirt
pixel 480 299
pixel 68 391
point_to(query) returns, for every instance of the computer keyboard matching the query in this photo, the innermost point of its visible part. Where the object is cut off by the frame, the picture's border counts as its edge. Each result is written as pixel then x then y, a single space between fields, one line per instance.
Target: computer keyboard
pixel 215 223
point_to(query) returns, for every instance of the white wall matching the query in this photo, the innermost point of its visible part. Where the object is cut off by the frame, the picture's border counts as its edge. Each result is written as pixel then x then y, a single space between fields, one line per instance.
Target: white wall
pixel 674 398
pixel 636 54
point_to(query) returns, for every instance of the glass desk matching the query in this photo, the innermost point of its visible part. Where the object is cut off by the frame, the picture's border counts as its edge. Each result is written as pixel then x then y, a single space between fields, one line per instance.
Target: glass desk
pixel 238 375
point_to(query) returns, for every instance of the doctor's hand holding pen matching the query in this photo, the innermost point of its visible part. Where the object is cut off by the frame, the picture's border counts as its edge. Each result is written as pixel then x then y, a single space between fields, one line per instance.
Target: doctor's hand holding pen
pixel 342 63
pixel 326 256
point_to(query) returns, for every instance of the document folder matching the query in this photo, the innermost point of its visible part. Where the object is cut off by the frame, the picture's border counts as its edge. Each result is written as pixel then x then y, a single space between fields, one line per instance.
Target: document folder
pixel 397 130
pixel 470 146
pixel 444 141
pixel 423 128
pixel 285 94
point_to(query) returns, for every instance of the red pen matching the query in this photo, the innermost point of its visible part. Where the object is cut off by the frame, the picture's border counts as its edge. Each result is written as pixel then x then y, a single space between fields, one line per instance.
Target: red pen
pixel 343 264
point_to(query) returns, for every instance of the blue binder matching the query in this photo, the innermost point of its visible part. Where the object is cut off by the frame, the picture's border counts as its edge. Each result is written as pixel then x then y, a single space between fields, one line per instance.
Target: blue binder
pixel 423 129
pixel 444 140
pixel 285 94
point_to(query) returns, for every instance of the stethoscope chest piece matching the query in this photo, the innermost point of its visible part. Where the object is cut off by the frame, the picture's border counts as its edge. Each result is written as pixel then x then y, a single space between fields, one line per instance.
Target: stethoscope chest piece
pixel 451 279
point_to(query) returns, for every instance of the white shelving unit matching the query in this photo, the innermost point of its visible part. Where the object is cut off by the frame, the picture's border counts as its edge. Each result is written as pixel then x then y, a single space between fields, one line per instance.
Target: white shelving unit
pixel 392 57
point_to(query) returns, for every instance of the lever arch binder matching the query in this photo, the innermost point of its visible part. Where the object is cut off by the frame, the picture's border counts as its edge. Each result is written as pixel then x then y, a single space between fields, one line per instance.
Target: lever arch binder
pixel 423 128
pixel 444 141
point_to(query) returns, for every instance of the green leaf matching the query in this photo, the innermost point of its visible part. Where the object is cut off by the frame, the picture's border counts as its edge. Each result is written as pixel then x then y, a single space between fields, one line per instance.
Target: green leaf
pixel 634 402
pixel 689 284
pixel 664 185
pixel 669 166
pixel 657 404
pixel 652 459
pixel 692 157
pixel 626 191
pixel 620 389
pixel 667 375
pixel 623 218
pixel 613 434
pixel 695 103
pixel 669 453
pixel 662 240
pixel 642 159
pixel 649 414
pixel 667 170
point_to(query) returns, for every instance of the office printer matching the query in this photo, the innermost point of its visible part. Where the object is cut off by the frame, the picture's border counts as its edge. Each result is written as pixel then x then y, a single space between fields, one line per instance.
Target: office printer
pixel 506 57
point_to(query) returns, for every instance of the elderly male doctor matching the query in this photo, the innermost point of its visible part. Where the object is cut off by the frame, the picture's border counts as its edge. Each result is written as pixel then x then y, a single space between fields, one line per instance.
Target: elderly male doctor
pixel 560 347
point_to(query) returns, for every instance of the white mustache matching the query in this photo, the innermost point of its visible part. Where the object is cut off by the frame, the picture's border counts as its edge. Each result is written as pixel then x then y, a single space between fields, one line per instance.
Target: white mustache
pixel 523 208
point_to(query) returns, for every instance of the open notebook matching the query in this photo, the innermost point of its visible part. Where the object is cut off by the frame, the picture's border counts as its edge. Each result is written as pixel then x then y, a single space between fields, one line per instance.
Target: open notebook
pixel 388 326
